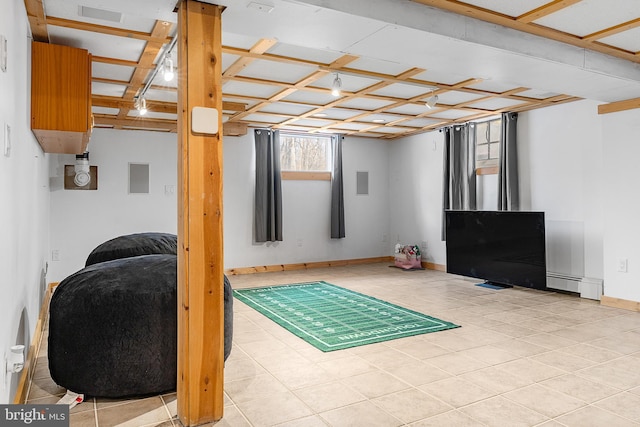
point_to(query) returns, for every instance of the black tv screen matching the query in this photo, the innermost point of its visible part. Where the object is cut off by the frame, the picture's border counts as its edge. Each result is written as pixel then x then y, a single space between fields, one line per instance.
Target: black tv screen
pixel 501 247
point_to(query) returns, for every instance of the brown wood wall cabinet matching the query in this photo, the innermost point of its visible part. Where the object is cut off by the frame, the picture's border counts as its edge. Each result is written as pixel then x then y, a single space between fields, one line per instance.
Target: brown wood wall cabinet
pixel 61 97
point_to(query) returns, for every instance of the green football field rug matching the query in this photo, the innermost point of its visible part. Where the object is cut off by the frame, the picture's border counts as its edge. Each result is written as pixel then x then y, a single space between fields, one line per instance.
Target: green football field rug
pixel 333 318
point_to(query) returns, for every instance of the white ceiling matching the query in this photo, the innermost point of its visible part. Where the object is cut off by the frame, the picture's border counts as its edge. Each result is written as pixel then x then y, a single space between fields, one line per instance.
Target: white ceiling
pixel 388 38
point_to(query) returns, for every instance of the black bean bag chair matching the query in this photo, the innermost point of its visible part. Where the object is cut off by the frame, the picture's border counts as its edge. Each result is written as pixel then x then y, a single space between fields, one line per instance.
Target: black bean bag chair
pixel 134 245
pixel 113 327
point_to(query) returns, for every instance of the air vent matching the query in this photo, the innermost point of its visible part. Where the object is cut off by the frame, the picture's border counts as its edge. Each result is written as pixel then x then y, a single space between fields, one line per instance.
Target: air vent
pixel 103 15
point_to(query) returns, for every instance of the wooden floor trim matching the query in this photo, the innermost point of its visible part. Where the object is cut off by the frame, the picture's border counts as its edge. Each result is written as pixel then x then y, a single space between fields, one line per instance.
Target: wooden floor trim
pixel 32 354
pixel 620 303
pixel 321 264
pixel 433 266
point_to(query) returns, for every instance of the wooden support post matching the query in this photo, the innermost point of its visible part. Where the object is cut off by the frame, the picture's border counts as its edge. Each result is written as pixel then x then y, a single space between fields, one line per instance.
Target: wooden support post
pixel 200 244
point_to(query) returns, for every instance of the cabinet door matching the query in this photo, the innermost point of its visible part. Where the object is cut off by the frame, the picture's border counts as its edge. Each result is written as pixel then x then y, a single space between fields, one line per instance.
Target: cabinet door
pixel 60 97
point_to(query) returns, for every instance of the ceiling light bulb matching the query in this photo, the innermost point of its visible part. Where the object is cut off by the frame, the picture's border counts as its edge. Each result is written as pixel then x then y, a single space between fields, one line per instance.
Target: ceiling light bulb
pixel 169 74
pixel 336 86
pixel 142 107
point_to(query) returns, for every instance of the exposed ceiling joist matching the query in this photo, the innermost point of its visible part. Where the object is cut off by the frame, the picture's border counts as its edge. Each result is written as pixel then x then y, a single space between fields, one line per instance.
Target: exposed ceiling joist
pixel 101 120
pixel 104 29
pixel 37 20
pixel 156 106
pixel 614 107
pixel 473 11
pixel 161 30
pixel 382 98
pixel 546 9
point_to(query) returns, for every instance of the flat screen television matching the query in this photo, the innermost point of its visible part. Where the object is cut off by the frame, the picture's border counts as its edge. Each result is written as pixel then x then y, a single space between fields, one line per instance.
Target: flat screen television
pixel 501 247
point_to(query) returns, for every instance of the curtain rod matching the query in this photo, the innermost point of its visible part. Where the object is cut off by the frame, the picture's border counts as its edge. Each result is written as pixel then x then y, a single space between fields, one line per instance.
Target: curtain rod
pixel 495 117
pixel 299 132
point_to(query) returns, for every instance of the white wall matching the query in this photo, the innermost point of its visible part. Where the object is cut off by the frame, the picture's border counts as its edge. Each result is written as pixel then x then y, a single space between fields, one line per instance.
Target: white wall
pixel 561 173
pixel 24 198
pixel 415 187
pixel 82 219
pixel 306 209
pixel 622 204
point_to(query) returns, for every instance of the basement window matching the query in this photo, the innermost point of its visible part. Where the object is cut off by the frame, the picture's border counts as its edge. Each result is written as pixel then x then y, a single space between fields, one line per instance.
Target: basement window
pixel 305 157
pixel 488 146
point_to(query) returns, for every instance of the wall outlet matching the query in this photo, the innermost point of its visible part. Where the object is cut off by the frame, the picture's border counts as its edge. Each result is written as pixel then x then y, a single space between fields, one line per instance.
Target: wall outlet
pixel 423 246
pixel 622 265
pixel 169 190
pixel 55 255
pixel 384 237
pixel 299 241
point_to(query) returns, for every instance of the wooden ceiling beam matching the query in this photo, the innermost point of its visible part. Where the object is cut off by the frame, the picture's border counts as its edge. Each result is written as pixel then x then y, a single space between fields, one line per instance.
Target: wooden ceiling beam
pixel 154 106
pixel 110 81
pixel 367 92
pixel 135 122
pixel 117 61
pixel 625 26
pixel 343 60
pixel 259 48
pixel 103 29
pixel 233 106
pixel 614 107
pixel 270 57
pixel 466 9
pixel 161 30
pixel 461 87
pixel 104 120
pixel 545 9
pixel 127 104
pixel 37 20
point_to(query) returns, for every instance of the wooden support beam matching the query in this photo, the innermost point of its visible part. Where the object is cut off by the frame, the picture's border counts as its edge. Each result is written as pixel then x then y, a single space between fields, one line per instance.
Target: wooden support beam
pixel 546 9
pixel 135 123
pixel 614 107
pixel 37 20
pixel 259 48
pixel 625 26
pixel 117 61
pixel 200 244
pixel 154 106
pixel 234 129
pixel 103 29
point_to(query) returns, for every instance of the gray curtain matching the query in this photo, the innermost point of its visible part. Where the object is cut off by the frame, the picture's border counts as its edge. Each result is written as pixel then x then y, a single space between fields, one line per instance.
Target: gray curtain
pixel 459 180
pixel 268 192
pixel 337 193
pixel 508 191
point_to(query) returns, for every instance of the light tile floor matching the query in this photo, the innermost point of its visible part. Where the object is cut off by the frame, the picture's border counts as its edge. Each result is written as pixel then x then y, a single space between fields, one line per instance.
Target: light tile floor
pixel 521 358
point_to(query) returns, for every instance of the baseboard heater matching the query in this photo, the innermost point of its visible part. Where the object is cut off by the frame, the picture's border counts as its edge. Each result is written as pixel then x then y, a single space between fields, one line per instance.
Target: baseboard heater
pixel 585 286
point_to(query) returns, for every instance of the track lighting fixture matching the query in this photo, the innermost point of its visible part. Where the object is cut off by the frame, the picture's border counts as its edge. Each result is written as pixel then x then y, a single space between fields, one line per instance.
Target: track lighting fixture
pixel 168 70
pixel 141 106
pixel 166 67
pixel 432 100
pixel 336 86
